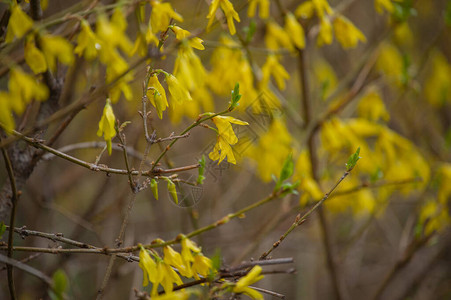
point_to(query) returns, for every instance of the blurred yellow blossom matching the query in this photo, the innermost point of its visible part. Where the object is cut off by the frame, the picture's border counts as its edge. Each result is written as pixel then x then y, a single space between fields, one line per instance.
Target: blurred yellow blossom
pixel 390 62
pixel 34 57
pixel 19 23
pixel 56 47
pixel 161 16
pixel 272 67
pixel 437 87
pixel 6 117
pixel 87 43
pixel 229 12
pixel 372 107
pixel 264 8
pixel 346 33
pixel 295 31
pixel 23 88
pixel 276 37
pixel 271 150
pixel 325 36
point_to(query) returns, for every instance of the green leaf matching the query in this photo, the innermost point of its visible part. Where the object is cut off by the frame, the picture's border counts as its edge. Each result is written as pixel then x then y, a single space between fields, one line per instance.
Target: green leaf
pixel 287 169
pixel 352 161
pixel 2 229
pixel 59 285
pixel 250 31
pixel 448 13
pixel 235 97
pixel 201 177
pixel 154 188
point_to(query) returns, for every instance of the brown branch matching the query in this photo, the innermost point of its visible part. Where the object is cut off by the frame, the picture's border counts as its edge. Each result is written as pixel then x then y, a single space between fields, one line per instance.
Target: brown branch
pixel 14 199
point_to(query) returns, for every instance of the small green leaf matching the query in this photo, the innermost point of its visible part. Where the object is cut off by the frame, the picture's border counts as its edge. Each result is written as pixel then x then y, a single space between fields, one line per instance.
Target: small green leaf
pixel 448 13
pixel 352 161
pixel 201 177
pixel 59 285
pixel 154 188
pixel 2 229
pixel 172 190
pixel 250 31
pixel 287 169
pixel 235 97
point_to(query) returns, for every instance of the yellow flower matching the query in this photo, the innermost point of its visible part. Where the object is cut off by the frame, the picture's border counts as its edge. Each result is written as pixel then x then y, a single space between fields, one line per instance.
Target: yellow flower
pixel 347 34
pixel 305 10
pixel 390 63
pixel 178 295
pixel 173 258
pixel 274 68
pixel 19 23
pixel 272 149
pixel 201 265
pixel 34 57
pixel 177 91
pixel 149 267
pixel 24 88
pixel 87 43
pixel 6 117
pixel 169 276
pixel 157 95
pixel 295 31
pixel 229 12
pixel 107 125
pixel 264 8
pixel 380 5
pixel 325 36
pixel 322 8
pixel 161 16
pixel 187 247
pixel 242 286
pixel 188 69
pixel 226 137
pixel 437 87
pixel 182 34
pixel 372 107
pixel 56 47
pixel 276 37
pixel 112 33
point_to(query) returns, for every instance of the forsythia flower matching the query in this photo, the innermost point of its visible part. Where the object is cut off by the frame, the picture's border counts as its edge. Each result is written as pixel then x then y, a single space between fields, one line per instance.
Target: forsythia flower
pixel 325 36
pixel 161 16
pixel 242 286
pixel 173 258
pixel 437 88
pixel 201 265
pixel 177 91
pixel 182 34
pixel 295 31
pixel 23 88
pixel 264 8
pixel 6 118
pixel 34 57
pixel 390 62
pixel 157 95
pixel 226 137
pixel 87 43
pixel 380 5
pixel 19 23
pixel 229 12
pixel 56 47
pixel 149 267
pixel 347 34
pixel 106 125
pixel 276 37
pixel 372 107
pixel 274 68
pixel 112 33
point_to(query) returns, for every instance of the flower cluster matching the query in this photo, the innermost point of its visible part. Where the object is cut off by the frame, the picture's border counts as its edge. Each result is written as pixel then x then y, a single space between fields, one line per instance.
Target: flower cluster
pixel 189 263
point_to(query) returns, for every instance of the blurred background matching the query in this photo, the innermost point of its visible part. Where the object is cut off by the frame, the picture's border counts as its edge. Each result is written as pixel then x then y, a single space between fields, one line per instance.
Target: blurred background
pixel 388 232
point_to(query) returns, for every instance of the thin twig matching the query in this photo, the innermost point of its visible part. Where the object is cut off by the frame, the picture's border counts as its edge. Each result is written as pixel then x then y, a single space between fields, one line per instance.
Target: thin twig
pixel 299 220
